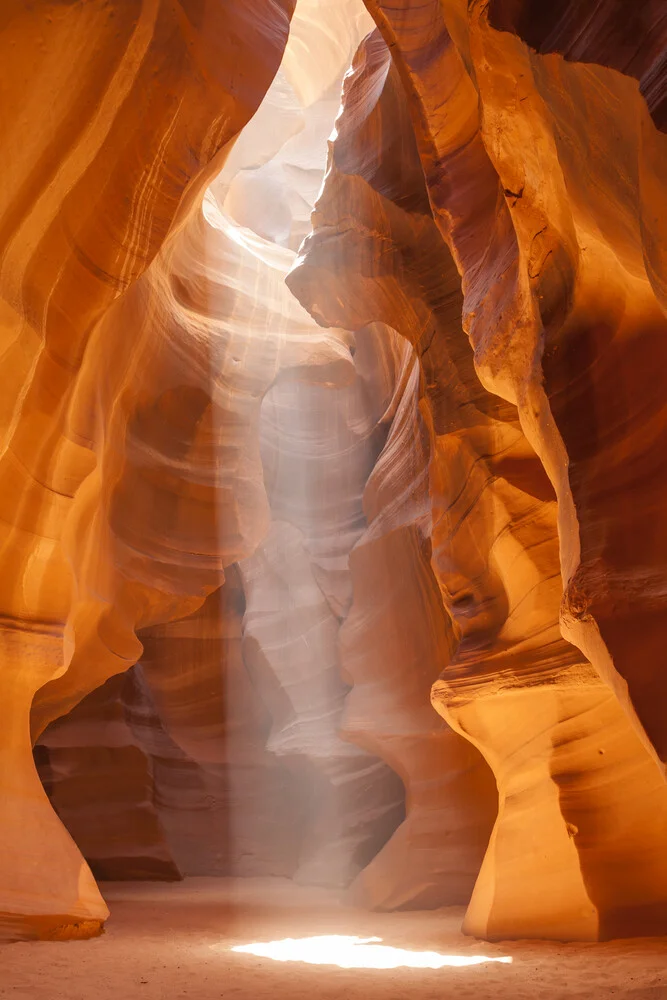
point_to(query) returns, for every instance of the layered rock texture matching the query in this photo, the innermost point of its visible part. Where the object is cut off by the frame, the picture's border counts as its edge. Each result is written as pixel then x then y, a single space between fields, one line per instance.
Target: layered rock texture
pixel 332 543
pixel 512 242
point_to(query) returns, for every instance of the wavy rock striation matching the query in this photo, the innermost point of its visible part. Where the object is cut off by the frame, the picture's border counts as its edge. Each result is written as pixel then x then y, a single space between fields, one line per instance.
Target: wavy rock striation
pixel 155 778
pixel 111 484
pixel 537 176
pixel 213 326
pixel 302 513
pixel 373 234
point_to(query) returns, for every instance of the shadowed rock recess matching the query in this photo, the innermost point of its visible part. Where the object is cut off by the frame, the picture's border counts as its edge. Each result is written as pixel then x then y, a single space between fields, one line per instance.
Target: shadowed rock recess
pixel 333 428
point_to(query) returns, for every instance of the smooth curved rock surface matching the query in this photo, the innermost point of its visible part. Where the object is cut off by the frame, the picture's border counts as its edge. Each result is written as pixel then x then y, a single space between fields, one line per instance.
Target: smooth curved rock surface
pixel 564 261
pixel 93 768
pixel 213 326
pixel 163 771
pixel 373 235
pixel 319 444
pixel 376 511
pixel 103 163
pixel 523 545
pixel 394 642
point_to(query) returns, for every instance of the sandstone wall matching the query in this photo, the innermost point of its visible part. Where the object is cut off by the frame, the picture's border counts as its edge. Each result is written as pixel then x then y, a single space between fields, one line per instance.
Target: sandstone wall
pixel 338 536
pixel 545 418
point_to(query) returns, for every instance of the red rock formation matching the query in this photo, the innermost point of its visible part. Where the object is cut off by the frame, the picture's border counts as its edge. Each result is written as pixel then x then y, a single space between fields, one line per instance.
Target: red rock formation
pixel 395 640
pixel 163 771
pixel 458 473
pixel 100 420
pixel 563 267
pixel 212 324
pixel 533 226
pixel 626 37
pixel 374 237
pixel 93 768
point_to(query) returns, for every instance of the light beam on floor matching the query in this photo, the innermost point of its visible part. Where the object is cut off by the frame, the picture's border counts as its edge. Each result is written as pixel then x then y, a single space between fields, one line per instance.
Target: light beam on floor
pixel 358 953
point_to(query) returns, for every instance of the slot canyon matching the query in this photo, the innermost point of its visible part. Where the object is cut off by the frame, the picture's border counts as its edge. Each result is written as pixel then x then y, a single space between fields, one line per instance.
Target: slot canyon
pixel 333 436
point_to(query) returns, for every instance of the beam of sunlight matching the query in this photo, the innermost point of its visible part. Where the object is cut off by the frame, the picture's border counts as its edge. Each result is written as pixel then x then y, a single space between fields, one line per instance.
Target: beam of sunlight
pixel 357 953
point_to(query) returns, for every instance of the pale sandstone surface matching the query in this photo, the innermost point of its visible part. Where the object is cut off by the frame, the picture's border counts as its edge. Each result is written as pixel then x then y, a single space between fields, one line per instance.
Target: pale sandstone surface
pixel 318 440
pixel 174 940
pixel 380 513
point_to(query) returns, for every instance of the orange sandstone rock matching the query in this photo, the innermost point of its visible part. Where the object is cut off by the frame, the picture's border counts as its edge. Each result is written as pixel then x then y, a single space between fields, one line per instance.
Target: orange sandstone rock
pixel 431 436
pixel 374 236
pixel 116 114
pixel 523 509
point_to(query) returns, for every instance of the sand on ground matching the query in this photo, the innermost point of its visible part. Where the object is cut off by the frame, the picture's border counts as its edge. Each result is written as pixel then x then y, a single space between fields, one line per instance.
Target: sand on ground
pixel 170 940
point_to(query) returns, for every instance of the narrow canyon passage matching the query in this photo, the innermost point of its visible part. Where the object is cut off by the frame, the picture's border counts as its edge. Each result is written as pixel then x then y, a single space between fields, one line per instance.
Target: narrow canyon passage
pixel 332 465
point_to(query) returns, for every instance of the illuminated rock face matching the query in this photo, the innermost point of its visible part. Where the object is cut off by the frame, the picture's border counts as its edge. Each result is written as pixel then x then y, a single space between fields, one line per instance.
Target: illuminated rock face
pixel 537 234
pixel 398 634
pixel 109 426
pixel 381 508
pixel 161 489
pixel 298 589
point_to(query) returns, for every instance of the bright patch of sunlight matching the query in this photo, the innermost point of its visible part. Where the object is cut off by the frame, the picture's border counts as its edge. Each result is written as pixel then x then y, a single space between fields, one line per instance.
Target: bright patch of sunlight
pixel 357 953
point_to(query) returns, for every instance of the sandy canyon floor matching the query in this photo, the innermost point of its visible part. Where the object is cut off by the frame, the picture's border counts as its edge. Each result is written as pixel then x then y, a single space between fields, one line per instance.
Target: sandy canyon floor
pixel 177 940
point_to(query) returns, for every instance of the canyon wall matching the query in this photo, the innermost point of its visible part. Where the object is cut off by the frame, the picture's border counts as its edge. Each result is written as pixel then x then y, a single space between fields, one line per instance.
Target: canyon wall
pixel 111 488
pixel 332 542
pixel 527 269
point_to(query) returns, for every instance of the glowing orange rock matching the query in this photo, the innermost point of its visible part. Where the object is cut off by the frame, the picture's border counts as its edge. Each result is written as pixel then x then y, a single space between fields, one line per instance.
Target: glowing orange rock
pixel 527 497
pixel 96 407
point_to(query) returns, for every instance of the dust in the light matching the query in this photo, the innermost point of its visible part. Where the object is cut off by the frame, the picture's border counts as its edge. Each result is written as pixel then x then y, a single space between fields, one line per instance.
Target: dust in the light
pixel 358 953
